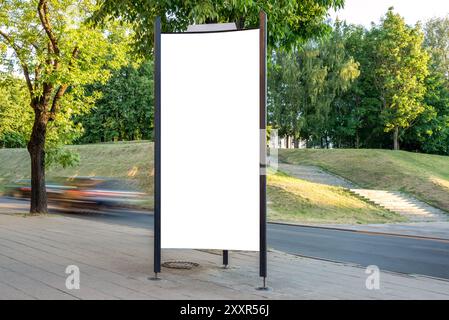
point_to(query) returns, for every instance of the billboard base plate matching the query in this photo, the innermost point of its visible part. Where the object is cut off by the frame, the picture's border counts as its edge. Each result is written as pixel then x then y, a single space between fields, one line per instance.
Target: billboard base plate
pixel 264 286
pixel 155 278
pixel 263 289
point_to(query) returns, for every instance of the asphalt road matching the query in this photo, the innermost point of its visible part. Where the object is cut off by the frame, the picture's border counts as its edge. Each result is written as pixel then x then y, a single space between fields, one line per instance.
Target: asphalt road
pixel 393 253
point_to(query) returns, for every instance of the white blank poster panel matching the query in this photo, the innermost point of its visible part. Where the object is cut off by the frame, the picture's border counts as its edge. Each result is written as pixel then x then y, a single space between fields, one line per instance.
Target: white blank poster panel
pixel 210 140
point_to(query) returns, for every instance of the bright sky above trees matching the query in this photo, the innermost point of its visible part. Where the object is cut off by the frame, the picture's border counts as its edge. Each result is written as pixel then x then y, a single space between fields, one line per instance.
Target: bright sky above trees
pixel 365 11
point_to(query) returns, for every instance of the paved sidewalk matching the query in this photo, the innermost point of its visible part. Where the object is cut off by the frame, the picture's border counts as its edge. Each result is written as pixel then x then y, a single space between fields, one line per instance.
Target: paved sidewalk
pixel 116 261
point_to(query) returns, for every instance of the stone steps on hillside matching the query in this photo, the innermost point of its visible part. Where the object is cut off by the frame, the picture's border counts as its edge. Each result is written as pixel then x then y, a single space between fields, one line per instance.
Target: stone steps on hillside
pixel 395 201
pixel 402 203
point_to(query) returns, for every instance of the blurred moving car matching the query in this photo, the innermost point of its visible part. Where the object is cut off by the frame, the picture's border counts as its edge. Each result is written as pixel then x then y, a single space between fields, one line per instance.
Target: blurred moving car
pixel 86 193
pixel 100 193
pixel 21 189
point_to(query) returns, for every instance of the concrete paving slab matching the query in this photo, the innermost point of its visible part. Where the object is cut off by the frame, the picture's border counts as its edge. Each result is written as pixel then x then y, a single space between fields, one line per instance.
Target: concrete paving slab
pixel 115 263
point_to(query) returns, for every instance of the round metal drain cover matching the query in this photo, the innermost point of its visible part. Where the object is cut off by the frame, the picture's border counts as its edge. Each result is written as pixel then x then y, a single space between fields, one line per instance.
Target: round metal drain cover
pixel 187 265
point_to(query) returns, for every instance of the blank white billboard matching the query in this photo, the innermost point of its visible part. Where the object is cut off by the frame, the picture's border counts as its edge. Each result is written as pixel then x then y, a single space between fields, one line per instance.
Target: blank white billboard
pixel 210 140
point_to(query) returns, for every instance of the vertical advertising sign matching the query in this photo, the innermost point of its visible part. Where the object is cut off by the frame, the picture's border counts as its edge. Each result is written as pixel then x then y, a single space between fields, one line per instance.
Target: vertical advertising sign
pixel 210 90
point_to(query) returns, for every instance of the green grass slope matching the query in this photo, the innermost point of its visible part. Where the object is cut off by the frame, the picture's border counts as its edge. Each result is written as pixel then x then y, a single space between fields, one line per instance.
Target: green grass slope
pixel 422 175
pixel 290 199
pixel 295 200
pixel 129 160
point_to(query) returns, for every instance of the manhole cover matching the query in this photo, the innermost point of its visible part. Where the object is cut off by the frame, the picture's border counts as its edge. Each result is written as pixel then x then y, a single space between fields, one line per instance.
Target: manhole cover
pixel 180 265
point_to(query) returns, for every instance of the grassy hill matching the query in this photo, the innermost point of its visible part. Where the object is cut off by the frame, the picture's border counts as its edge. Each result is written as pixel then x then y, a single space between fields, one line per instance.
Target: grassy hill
pixel 129 160
pixel 289 199
pixel 295 200
pixel 422 175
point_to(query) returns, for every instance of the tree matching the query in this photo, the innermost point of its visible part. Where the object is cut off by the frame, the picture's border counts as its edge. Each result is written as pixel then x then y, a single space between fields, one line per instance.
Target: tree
pixel 400 72
pixel 431 130
pixel 280 114
pixel 430 133
pixel 58 53
pixel 304 85
pixel 356 120
pixel 436 40
pixel 305 79
pixel 124 111
pixel 342 70
pixel 289 22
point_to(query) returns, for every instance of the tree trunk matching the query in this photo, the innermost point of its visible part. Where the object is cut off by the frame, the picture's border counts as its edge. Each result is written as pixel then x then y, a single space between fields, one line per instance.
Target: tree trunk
pixel 396 138
pixel 296 143
pixel 36 149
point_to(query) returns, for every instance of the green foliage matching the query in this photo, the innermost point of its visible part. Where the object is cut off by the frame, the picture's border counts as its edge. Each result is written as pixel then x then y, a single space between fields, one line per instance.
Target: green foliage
pixel 399 85
pixel 58 52
pixel 62 157
pixel 437 42
pixel 356 112
pixel 304 83
pixel 125 110
pixel 97 47
pixel 16 121
pixel 389 94
pixel 431 130
pixel 400 70
pixel 15 117
pixel 289 21
pixel 351 87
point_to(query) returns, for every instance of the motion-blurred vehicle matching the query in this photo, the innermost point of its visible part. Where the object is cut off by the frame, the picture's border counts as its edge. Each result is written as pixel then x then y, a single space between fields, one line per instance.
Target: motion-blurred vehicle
pixel 82 193
pixel 94 193
pixel 21 189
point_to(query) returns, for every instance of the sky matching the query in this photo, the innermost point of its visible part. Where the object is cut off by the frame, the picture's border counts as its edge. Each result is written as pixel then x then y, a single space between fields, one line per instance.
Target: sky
pixel 365 11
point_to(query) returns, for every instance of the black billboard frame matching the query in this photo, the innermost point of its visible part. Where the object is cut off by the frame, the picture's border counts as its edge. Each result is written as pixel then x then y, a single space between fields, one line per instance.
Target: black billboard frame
pixel 263 149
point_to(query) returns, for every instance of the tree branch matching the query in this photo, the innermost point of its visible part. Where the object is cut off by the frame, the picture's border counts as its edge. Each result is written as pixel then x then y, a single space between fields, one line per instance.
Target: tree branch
pixel 22 62
pixel 26 72
pixel 8 39
pixel 43 15
pixel 37 75
pixel 56 101
pixel 62 88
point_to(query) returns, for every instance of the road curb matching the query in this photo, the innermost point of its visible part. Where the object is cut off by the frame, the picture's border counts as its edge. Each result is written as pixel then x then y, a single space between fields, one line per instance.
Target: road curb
pixel 362 231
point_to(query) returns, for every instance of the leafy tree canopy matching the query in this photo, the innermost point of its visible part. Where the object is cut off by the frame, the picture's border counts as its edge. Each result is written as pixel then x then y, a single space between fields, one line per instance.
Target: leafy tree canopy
pixel 289 21
pixel 125 109
pixel 400 70
pixel 58 53
pixel 15 120
pixel 305 83
pixel 430 132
